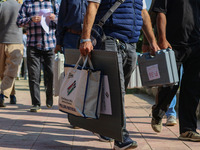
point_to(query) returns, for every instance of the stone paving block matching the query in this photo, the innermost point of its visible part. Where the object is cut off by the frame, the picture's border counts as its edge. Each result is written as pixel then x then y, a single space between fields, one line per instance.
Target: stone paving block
pixel 50 129
pixel 16 144
pixel 15 147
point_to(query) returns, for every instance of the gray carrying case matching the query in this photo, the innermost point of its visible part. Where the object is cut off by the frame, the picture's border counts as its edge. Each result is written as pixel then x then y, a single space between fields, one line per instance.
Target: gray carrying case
pixel 158 70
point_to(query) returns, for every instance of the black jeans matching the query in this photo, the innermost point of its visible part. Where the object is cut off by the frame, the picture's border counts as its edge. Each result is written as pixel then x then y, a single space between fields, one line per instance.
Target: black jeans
pixel 189 91
pixel 36 58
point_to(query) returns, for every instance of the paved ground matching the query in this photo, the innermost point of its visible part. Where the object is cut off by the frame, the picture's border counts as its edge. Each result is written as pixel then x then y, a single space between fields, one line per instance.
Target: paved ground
pixel 50 130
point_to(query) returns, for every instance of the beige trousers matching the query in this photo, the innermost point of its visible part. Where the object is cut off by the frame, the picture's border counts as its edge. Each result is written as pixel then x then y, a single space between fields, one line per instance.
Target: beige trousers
pixel 10 59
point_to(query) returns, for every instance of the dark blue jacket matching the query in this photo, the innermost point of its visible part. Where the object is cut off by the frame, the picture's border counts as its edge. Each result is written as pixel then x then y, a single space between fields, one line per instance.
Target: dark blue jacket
pixel 125 23
pixel 71 15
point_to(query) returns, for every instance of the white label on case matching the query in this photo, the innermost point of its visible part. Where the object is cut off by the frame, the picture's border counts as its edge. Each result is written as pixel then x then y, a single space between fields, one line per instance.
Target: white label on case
pixel 153 72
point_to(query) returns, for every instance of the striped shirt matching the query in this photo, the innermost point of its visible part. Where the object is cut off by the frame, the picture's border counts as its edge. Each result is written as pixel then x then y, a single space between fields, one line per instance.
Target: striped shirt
pixel 36 36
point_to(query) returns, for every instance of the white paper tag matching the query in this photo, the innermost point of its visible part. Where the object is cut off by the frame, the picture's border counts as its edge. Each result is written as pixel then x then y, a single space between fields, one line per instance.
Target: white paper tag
pixel 44 19
pixel 153 72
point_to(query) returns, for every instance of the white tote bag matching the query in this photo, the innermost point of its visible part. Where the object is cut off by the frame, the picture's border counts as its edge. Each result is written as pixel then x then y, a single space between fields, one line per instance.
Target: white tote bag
pixel 58 70
pixel 80 91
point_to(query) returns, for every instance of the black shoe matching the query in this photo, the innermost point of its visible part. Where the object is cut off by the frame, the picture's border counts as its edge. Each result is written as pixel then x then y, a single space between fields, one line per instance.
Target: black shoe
pixel 49 103
pixel 103 138
pixel 35 108
pixel 12 99
pixel 2 101
pixel 127 144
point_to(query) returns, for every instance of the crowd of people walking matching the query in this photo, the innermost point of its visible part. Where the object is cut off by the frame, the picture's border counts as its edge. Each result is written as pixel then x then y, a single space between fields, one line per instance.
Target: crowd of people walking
pixel 69 26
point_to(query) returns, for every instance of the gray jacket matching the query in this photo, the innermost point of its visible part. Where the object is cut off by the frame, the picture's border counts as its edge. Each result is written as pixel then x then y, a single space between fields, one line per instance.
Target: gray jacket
pixel 9 31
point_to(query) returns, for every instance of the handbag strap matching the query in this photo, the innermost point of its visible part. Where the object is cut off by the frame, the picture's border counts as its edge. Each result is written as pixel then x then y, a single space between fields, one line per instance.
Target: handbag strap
pixel 85 60
pixel 110 12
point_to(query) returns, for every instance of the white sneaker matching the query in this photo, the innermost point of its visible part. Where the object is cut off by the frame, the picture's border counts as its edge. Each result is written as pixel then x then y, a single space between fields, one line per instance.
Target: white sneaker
pixel 171 121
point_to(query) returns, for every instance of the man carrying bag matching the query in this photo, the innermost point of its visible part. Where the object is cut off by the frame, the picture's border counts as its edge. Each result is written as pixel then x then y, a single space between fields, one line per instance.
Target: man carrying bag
pixel 121 37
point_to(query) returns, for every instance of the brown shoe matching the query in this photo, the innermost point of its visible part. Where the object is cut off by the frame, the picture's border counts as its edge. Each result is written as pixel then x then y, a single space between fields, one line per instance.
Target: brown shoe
pixel 156 124
pixel 190 136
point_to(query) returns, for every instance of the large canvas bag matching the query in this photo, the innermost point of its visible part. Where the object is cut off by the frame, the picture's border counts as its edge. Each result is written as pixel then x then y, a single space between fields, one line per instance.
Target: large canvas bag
pixel 58 70
pixel 80 91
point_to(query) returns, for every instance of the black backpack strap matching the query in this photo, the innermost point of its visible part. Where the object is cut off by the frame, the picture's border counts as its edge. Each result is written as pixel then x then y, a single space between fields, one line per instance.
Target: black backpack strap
pixel 110 12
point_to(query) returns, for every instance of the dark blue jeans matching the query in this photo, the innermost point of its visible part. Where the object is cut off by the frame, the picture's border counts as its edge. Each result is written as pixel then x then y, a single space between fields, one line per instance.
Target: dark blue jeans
pixel 71 41
pixel 36 58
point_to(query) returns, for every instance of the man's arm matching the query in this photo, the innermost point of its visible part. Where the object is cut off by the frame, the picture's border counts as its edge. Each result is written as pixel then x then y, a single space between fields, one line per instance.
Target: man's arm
pixel 22 19
pixel 54 16
pixel 60 30
pixel 161 26
pixel 148 31
pixel 86 47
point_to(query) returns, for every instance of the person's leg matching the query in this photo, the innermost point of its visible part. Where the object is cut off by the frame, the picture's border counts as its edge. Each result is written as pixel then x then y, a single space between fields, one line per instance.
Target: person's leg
pixel 2 69
pixel 48 76
pixel 171 113
pixel 189 92
pixel 164 97
pixel 33 63
pixel 2 59
pixel 127 63
pixel 13 99
pixel 189 99
pixel 13 54
pixel 19 70
pixel 128 66
pixel 130 63
pixel 25 68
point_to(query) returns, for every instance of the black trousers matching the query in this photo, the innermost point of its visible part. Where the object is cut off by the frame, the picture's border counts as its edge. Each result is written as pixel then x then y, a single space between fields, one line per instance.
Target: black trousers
pixel 189 56
pixel 35 59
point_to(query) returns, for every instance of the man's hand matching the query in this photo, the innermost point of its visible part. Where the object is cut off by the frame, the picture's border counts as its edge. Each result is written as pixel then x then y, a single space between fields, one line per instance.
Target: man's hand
pixel 51 17
pixel 164 44
pixel 58 49
pixel 145 48
pixel 36 19
pixel 154 48
pixel 86 48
